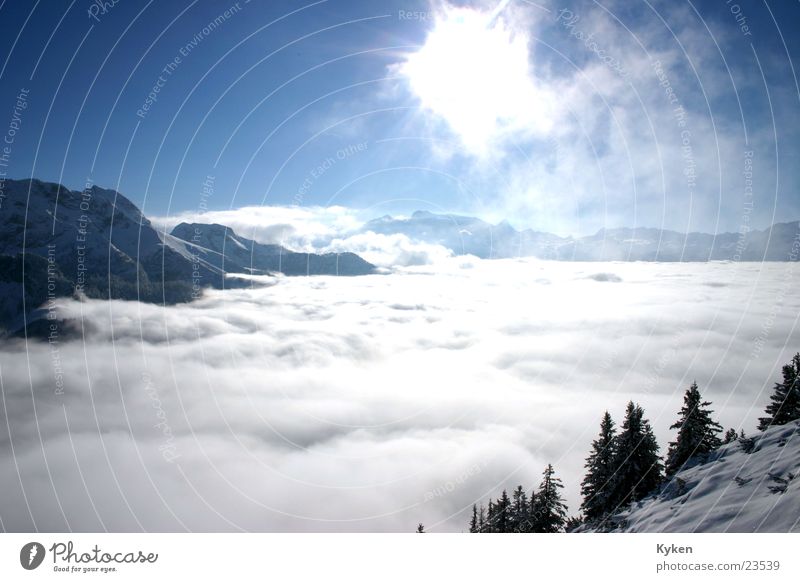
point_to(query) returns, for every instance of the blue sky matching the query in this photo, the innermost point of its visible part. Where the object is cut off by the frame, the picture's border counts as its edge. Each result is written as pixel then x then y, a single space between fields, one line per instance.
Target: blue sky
pixel 338 102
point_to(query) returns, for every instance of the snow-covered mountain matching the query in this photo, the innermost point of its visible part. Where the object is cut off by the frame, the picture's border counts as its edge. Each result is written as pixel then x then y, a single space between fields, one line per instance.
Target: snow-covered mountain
pixel 749 485
pixel 221 247
pixel 466 235
pixel 57 239
pixel 95 239
pixel 469 235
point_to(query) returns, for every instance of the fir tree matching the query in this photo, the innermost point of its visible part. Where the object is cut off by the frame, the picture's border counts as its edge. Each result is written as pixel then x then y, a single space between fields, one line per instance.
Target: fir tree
pixel 491 517
pixel 550 514
pixel 730 436
pixel 530 524
pixel 473 522
pixel 785 400
pixel 638 466
pixel 697 433
pixel 482 519
pixel 519 511
pixel 502 514
pixel 596 487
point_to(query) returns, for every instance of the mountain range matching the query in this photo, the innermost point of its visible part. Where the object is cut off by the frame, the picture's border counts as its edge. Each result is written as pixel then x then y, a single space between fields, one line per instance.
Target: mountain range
pixel 468 235
pixel 98 243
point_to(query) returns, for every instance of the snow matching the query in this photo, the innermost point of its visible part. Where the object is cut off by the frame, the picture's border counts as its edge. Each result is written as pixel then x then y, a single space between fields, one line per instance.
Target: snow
pixel 235 241
pixel 733 491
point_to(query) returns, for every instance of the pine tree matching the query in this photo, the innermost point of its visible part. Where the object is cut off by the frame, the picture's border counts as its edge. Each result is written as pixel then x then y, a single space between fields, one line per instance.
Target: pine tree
pixel 597 485
pixel 502 514
pixel 519 511
pixel 785 400
pixel 491 517
pixel 730 436
pixel 533 508
pixel 420 528
pixel 482 519
pixel 638 466
pixel 550 514
pixel 697 433
pixel 473 522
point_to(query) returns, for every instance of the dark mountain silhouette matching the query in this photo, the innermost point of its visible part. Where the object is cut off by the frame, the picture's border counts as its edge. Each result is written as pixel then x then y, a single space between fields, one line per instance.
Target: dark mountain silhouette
pixel 56 242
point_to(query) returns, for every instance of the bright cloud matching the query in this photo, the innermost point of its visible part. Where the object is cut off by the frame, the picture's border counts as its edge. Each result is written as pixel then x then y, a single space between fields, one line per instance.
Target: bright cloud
pixel 389 250
pixel 372 403
pixel 297 227
pixel 473 72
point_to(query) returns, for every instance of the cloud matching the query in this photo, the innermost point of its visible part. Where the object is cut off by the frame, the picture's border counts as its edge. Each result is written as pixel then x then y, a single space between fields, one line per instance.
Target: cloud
pixel 331 229
pixel 605 277
pixel 390 250
pixel 563 119
pixel 371 403
pixel 301 228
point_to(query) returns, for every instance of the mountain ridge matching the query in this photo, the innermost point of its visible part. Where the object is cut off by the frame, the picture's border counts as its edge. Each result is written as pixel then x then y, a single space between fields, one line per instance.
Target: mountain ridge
pixel 222 247
pixel 56 242
pixel 471 235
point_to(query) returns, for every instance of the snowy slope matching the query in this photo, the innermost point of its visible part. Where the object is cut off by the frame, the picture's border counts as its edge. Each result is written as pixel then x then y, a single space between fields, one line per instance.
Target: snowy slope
pixel 733 491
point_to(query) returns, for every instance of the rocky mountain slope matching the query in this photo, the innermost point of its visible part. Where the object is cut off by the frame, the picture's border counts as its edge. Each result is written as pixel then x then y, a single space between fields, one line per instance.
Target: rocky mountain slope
pixel 219 246
pixel 96 242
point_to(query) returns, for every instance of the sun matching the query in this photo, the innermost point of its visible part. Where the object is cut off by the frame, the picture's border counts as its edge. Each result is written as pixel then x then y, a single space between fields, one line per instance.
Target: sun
pixel 474 73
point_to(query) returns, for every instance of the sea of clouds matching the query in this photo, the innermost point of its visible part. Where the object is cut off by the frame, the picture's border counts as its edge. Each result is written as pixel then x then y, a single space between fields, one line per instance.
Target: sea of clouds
pixel 372 403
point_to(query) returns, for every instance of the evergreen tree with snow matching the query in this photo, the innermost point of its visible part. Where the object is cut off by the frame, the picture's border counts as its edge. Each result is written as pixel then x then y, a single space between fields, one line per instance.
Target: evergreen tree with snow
pixel 784 403
pixel 597 485
pixel 519 511
pixel 638 466
pixel 473 522
pixel 730 436
pixel 697 432
pixel 550 511
pixel 482 519
pixel 420 528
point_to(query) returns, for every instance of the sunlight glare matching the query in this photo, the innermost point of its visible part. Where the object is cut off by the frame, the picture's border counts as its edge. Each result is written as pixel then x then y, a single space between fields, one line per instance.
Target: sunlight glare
pixel 473 72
